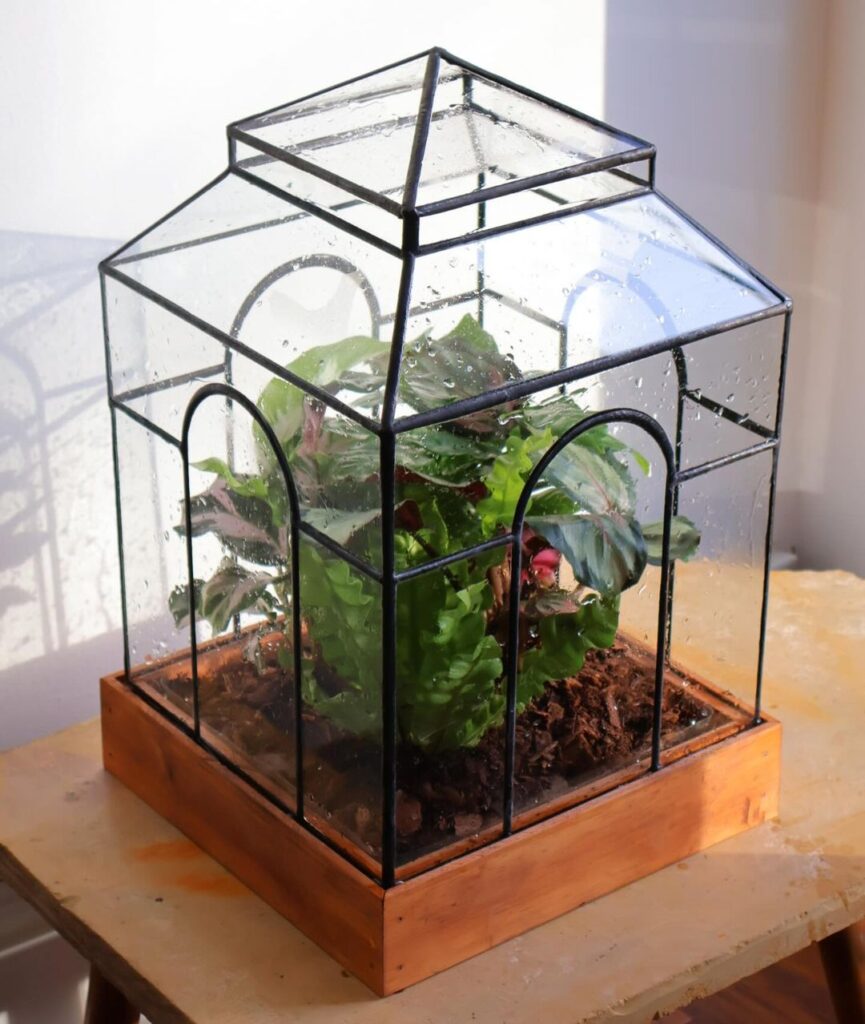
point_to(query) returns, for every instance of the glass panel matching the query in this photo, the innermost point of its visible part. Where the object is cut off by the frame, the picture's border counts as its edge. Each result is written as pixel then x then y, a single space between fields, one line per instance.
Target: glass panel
pixel 586 683
pixel 450 706
pixel 732 381
pixel 512 208
pixel 341 611
pixel 454 479
pixel 611 282
pixel 150 481
pixel 363 131
pixel 242 564
pixel 334 460
pixel 485 129
pixel 157 359
pixel 724 648
pixel 586 678
pixel 730 508
pixel 306 186
pixel 291 292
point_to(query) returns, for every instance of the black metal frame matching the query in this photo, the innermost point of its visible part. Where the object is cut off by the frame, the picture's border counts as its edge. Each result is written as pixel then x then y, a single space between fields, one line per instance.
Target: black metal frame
pixel 389 427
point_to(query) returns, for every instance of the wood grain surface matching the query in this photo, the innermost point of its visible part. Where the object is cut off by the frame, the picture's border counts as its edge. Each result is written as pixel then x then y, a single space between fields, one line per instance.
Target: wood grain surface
pixel 185 941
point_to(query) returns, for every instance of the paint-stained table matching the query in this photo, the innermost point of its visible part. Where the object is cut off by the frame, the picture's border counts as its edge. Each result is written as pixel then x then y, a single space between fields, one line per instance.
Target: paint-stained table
pixel 167 928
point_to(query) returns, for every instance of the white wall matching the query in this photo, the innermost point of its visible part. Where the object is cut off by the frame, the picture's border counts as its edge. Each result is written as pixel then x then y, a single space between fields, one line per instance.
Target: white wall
pixel 826 457
pixel 117 110
pixel 758 112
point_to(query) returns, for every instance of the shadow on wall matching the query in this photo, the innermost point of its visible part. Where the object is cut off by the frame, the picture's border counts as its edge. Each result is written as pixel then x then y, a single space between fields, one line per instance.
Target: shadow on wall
pixel 59 603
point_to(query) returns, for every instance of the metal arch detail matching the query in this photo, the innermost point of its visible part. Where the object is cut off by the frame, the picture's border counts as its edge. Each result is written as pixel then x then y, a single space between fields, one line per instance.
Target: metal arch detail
pixel 325 260
pixel 234 395
pixel 651 426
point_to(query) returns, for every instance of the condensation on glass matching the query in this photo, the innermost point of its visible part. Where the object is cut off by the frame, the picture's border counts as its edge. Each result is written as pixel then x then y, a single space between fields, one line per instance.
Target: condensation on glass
pixel 436 426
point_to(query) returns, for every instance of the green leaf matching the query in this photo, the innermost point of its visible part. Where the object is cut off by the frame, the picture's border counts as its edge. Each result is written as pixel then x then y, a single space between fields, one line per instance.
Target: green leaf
pixel 231 590
pixel 563 642
pixel 281 402
pixel 595 483
pixel 342 610
pixel 244 485
pixel 243 525
pixel 601 540
pixel 684 539
pixel 605 551
pixel 507 477
pixel 444 457
pixel 448 665
pixel 461 364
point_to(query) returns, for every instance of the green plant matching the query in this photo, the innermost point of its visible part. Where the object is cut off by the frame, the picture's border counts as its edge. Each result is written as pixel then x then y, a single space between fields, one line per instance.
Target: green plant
pixel 458 484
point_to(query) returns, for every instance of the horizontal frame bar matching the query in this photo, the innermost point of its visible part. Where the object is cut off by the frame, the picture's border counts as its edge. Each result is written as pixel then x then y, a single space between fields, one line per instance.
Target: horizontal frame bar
pixel 318 211
pixel 282 155
pixel 726 413
pixel 520 389
pixel 456 556
pixel 684 475
pixel 534 182
pixel 559 213
pixel 169 382
pixel 237 346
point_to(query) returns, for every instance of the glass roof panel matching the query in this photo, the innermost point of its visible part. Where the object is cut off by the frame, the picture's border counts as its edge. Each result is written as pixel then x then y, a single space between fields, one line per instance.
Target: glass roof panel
pixel 602 284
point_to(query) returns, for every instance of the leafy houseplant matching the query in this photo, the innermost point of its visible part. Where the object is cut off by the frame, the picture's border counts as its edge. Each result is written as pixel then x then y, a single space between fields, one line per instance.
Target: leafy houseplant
pixel 458 484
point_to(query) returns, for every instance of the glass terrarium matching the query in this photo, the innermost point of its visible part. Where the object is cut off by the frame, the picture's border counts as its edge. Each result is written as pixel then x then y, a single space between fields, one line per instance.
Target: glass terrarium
pixel 436 429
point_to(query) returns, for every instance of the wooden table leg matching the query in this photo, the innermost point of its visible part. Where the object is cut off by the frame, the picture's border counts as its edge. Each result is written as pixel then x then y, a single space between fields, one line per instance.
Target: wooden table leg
pixel 842 956
pixel 107 1005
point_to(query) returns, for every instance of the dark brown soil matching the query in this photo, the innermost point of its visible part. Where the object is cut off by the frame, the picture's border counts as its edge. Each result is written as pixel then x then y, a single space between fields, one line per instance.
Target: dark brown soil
pixel 581 727
pixel 599 719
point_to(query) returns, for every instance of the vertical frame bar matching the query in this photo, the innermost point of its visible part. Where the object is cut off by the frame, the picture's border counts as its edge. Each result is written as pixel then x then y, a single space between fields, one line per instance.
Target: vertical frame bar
pixel 468 103
pixel 664 608
pixel 116 466
pixel 681 365
pixel 770 520
pixel 387 475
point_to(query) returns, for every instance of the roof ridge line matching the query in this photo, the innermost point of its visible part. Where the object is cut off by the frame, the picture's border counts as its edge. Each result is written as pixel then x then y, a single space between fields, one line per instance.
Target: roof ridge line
pixel 421 134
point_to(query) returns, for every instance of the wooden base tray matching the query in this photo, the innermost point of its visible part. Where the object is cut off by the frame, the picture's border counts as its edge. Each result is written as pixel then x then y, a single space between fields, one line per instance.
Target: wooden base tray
pixel 393 938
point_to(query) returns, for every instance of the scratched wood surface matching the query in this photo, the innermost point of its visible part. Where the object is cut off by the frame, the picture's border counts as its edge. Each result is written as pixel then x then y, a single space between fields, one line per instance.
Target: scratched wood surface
pixel 189 943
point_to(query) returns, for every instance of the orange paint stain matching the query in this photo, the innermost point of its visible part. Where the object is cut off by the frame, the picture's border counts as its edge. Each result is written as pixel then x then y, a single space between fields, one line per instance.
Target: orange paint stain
pixel 159 853
pixel 211 885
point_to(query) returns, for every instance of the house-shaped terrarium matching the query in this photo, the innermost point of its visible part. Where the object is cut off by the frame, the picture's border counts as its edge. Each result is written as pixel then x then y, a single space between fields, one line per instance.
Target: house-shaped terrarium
pixel 437 429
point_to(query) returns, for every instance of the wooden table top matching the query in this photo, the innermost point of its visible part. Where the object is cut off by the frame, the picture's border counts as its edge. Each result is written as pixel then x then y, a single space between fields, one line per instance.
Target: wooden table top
pixel 186 942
